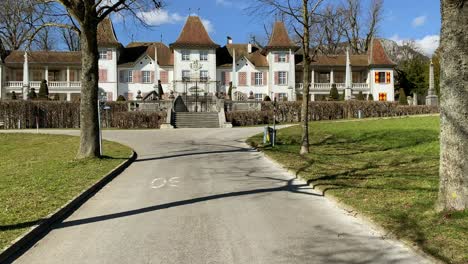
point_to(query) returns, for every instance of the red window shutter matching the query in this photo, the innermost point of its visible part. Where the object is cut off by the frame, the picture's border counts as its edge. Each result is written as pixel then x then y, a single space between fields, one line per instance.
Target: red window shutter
pixel 388 77
pixel 109 96
pixel 152 77
pixel 104 75
pixel 276 77
pixel 164 77
pixel 287 58
pixel 130 96
pixel 265 78
pixel 377 77
pixel 136 76
pixel 276 57
pixel 242 78
pixel 109 54
pixel 252 78
pixel 228 78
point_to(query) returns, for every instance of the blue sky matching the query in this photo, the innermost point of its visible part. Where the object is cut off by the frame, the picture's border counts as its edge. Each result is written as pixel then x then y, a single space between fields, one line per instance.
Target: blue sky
pixel 417 20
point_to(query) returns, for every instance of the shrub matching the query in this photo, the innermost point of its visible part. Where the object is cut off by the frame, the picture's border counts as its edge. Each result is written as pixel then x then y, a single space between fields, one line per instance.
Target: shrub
pixel 370 97
pixel 334 93
pixel 121 98
pixel 32 94
pixel 267 99
pixel 342 96
pixel 13 96
pixel 360 96
pixel 56 97
pixel 402 100
pixel 44 90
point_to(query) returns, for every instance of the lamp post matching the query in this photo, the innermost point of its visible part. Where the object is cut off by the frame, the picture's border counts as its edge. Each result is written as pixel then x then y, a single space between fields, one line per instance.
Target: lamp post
pixel 101 97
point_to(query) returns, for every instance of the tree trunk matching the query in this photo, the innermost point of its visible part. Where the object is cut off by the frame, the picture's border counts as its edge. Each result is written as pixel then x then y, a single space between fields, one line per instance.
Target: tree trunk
pixel 89 140
pixel 453 189
pixel 305 81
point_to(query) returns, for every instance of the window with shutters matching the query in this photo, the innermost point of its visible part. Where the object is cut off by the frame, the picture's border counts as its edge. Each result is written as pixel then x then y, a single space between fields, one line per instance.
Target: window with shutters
pixel 203 55
pixel 146 75
pixel 382 77
pixel 185 55
pixel 103 54
pixel 282 97
pixel 282 78
pixel 282 57
pixel 259 78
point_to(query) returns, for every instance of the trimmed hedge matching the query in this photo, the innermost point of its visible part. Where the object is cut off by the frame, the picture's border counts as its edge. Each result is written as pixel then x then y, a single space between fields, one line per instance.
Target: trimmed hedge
pixel 290 112
pixel 60 114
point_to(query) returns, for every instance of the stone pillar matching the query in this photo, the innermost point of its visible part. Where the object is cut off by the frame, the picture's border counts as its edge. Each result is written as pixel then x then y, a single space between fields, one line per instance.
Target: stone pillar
pixel 25 77
pixel 431 98
pixel 312 97
pixel 415 99
pixel 2 89
pixel 332 76
pixel 312 78
pixel 68 97
pixel 68 76
pixel 46 77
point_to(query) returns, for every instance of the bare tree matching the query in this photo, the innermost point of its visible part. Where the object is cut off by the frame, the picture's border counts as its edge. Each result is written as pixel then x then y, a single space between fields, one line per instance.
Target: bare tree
pixel 331 31
pixel 44 40
pixel 70 38
pixel 358 31
pixel 453 189
pixel 300 15
pixel 18 19
pixel 84 17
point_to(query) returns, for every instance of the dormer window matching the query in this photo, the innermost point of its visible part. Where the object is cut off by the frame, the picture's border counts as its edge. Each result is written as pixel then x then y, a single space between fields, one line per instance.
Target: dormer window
pixel 103 54
pixel 203 55
pixel 282 57
pixel 185 55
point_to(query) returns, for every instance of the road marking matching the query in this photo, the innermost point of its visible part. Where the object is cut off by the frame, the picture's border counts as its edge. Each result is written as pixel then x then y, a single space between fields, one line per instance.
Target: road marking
pixel 161 182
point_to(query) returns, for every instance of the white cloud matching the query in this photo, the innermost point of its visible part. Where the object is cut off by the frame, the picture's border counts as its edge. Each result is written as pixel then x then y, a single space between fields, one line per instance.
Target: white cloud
pixel 419 21
pixel 224 2
pixel 158 17
pixel 208 25
pixel 428 44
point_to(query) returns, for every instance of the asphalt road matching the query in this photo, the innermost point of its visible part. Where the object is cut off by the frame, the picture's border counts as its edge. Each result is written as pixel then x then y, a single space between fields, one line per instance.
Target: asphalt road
pixel 203 196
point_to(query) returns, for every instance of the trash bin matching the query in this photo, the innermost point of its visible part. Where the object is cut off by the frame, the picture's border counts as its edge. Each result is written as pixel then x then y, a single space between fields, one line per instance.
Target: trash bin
pixel 269 135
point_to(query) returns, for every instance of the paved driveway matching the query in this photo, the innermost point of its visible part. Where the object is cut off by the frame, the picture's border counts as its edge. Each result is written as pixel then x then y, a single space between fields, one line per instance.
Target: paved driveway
pixel 203 196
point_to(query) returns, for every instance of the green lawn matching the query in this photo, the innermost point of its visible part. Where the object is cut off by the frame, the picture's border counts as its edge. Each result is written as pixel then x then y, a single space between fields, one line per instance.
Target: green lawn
pixel 38 175
pixel 384 169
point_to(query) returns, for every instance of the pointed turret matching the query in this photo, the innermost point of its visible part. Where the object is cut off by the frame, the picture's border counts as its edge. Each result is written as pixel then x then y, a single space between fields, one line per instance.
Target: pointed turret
pixel 194 35
pixel 279 38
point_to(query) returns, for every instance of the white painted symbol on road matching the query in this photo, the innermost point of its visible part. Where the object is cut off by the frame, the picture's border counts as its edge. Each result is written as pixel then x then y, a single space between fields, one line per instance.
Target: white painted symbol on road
pixel 161 182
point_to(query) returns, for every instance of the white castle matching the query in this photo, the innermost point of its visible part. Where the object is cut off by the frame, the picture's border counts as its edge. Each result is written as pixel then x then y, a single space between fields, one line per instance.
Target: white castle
pixel 194 60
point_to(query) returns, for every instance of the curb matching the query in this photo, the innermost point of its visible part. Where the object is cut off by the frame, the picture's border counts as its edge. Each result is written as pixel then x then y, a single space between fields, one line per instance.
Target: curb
pixel 23 243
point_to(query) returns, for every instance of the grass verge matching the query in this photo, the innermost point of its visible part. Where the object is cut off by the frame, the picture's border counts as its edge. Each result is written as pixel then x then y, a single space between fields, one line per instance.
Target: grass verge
pixel 384 169
pixel 38 175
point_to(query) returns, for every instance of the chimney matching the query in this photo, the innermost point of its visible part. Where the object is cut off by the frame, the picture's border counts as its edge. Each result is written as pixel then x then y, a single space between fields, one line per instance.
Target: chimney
pixel 229 40
pixel 249 48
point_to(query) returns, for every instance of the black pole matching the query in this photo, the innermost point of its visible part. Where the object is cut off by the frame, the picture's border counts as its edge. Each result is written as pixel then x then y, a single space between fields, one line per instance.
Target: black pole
pixel 196 96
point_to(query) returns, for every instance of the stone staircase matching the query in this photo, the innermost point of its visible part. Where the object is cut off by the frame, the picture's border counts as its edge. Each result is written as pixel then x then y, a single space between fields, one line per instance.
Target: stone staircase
pixel 196 120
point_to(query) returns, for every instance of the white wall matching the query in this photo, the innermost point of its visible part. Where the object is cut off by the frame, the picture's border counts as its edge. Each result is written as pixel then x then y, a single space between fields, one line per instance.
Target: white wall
pixel 180 65
pixel 282 66
pixel 112 75
pixel 377 88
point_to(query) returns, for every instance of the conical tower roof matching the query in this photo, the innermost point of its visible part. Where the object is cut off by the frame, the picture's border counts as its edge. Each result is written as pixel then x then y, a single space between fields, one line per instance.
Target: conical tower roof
pixel 194 35
pixel 279 38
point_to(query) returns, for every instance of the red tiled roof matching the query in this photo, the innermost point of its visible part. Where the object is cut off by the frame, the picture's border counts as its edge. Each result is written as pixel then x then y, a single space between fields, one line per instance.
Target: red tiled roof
pixel 194 35
pixel 135 50
pixel 378 56
pixel 279 37
pixel 45 57
pixel 106 34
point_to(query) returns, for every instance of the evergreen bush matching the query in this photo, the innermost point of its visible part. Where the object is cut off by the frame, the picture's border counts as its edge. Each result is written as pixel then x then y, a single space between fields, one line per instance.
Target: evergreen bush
pixel 44 90
pixel 360 96
pixel 334 93
pixel 121 98
pixel 267 99
pixel 370 97
pixel 32 94
pixel 13 96
pixel 402 100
